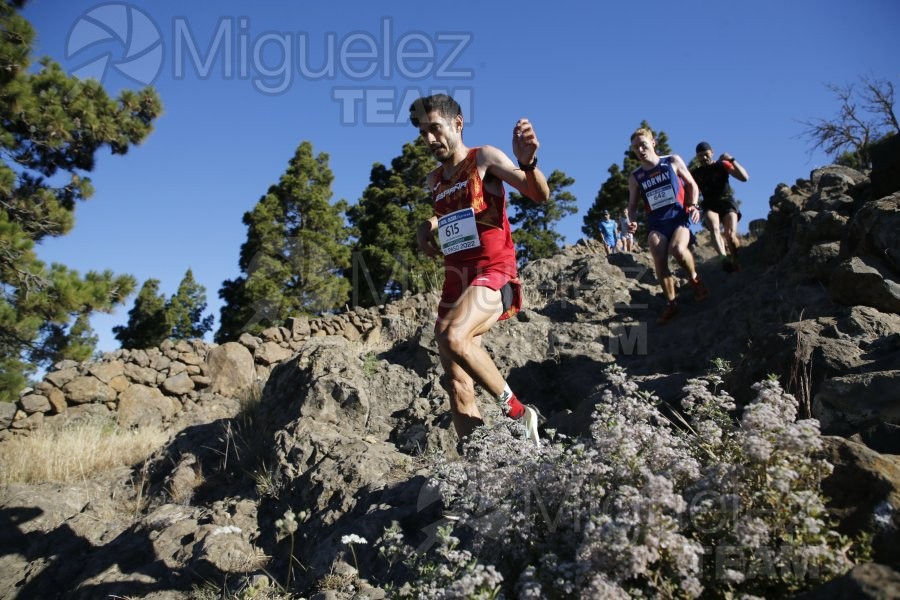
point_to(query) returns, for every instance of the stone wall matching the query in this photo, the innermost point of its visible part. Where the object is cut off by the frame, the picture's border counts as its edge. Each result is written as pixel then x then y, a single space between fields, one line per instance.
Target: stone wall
pixel 137 387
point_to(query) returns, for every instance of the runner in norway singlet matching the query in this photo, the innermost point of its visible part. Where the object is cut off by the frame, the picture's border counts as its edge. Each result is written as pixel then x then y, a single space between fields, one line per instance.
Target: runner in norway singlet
pixel 663 194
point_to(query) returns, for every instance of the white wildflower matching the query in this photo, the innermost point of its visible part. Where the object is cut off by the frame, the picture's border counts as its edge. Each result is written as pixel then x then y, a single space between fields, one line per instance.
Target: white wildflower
pixel 692 587
pixel 733 576
pixel 709 432
pixel 353 539
pixel 225 529
pixel 752 532
pixel 757 447
pixel 883 515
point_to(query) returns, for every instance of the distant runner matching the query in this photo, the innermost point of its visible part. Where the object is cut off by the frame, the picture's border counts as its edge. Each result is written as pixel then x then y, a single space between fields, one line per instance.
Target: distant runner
pixel 670 200
pixel 627 236
pixel 609 233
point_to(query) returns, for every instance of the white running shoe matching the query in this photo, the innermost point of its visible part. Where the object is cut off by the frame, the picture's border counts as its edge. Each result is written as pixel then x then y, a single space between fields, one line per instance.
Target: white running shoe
pixel 530 423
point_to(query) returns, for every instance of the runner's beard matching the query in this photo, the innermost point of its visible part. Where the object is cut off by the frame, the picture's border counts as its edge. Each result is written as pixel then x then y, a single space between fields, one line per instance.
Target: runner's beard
pixel 442 154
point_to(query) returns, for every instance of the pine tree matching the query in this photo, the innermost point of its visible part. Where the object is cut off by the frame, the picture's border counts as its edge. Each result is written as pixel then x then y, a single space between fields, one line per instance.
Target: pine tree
pixel 82 339
pixel 51 127
pixel 296 252
pixel 79 337
pixel 184 310
pixel 386 258
pixel 148 324
pixel 613 193
pixel 535 237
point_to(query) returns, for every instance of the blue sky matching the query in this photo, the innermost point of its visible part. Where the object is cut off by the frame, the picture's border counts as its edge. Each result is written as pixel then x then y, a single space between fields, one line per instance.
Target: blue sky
pixel 242 85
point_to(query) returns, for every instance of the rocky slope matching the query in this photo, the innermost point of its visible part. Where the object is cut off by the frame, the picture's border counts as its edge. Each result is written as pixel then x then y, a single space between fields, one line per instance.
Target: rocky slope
pixel 335 418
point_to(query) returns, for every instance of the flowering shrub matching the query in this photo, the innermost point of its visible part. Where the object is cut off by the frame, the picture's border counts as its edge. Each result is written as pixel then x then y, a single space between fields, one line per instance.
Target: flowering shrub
pixel 446 573
pixel 758 504
pixel 649 505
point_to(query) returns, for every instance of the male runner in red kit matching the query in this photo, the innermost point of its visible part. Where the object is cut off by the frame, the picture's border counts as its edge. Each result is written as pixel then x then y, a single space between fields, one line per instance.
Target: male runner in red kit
pixel 481 283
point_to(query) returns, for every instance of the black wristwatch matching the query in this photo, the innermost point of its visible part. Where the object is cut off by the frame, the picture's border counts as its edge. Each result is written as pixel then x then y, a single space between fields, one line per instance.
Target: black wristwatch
pixel 528 167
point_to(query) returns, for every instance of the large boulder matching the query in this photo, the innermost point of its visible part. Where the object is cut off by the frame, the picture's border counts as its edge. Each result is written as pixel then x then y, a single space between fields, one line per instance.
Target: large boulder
pixel 85 389
pixel 178 385
pixel 230 370
pixel 856 401
pixel 886 166
pixel 874 230
pixel 864 495
pixel 7 413
pixel 869 581
pixel 107 371
pixel 141 405
pixel 865 282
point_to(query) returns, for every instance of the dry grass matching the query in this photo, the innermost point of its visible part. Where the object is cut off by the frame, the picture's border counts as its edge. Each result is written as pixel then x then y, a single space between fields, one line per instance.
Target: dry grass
pixel 338 582
pixel 76 452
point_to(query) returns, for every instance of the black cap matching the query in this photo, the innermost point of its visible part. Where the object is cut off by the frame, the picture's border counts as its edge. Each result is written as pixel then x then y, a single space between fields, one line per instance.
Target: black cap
pixel 703 146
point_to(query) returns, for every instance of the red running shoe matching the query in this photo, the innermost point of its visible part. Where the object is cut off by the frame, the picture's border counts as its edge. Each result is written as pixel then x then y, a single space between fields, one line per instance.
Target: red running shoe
pixel 700 291
pixel 668 313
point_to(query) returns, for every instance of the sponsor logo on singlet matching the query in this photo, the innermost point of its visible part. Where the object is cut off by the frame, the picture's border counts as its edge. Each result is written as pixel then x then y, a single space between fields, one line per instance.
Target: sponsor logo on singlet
pixel 461 185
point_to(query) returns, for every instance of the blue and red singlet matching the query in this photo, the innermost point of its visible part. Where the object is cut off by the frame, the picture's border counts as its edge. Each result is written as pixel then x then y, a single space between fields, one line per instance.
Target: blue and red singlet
pixel 663 193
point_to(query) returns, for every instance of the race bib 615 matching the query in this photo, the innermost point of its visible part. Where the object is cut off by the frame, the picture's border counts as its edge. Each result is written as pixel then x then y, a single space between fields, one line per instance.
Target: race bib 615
pixel 457 231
